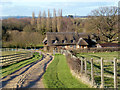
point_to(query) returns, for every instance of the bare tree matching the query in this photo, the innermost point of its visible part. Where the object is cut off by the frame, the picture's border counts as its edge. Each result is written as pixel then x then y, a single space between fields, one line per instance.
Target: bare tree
pixel 105 21
pixel 59 20
pixel 39 21
pixel 54 22
pixel 33 19
pixel 17 39
pixel 43 23
pixel 49 23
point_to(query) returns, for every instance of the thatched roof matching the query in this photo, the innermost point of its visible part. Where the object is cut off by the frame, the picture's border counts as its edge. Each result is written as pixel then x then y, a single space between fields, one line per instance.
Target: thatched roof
pixel 63 38
pixel 45 39
pixel 81 41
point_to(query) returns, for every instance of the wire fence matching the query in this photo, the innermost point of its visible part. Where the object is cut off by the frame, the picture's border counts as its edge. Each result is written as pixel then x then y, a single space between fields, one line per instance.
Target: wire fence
pixel 97 73
pixel 11 59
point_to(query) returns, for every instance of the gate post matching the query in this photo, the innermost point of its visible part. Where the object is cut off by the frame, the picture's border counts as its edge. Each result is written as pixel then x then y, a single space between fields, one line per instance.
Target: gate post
pixel 115 73
pixel 92 72
pixel 102 74
pixel 81 65
pixel 85 66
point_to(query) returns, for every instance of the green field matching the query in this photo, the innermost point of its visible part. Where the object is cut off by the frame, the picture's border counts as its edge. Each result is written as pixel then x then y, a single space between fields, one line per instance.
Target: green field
pixel 108 66
pixel 58 75
pixel 16 66
pixel 104 55
pixel 12 52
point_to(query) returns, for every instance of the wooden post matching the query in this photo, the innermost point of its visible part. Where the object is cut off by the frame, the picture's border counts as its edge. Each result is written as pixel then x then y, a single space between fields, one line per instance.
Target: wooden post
pixel 81 65
pixel 102 74
pixel 92 72
pixel 85 66
pixel 115 73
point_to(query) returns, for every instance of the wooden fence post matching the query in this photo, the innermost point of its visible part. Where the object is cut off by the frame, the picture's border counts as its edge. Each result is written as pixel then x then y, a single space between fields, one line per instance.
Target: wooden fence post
pixel 102 74
pixel 81 65
pixel 115 73
pixel 92 72
pixel 85 66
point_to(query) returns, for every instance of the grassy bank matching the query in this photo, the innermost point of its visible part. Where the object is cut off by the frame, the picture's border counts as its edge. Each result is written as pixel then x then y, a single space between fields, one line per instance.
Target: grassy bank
pixel 16 66
pixel 58 75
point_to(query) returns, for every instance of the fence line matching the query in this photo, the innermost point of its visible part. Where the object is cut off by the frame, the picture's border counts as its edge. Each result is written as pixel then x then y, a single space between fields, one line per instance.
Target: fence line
pixel 10 59
pixel 83 69
pixel 103 49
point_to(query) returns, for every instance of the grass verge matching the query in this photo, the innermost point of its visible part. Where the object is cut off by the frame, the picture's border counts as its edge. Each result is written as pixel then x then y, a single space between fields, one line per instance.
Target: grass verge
pixel 58 75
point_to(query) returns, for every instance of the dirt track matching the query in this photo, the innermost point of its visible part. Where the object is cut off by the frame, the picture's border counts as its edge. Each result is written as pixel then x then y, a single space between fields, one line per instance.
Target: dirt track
pixel 29 76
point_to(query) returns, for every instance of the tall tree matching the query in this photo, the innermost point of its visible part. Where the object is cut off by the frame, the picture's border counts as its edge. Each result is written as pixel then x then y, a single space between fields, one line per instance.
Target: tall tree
pixel 33 22
pixel 43 23
pixel 49 23
pixel 59 20
pixel 105 21
pixel 54 22
pixel 39 21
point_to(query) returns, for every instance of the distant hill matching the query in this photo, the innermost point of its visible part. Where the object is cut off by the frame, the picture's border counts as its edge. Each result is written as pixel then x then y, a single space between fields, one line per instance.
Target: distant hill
pixel 80 16
pixel 18 17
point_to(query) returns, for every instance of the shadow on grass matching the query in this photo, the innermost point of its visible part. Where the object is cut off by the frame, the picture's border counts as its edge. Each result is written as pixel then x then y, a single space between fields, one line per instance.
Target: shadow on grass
pixel 95 56
pixel 107 71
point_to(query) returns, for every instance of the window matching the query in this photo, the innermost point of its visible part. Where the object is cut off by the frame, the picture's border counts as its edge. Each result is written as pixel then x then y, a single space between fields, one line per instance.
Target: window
pixel 71 41
pixel 53 41
pixel 63 41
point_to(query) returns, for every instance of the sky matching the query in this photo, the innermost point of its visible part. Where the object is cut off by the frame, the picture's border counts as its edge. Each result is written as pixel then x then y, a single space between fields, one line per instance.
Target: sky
pixel 69 7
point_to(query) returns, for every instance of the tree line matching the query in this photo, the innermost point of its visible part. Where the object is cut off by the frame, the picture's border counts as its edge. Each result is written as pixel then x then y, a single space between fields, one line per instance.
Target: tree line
pixel 101 24
pixel 29 32
pixel 51 23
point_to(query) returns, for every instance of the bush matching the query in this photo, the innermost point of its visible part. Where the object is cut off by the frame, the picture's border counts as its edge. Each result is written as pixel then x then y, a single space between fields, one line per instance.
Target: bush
pixel 106 49
pixel 73 63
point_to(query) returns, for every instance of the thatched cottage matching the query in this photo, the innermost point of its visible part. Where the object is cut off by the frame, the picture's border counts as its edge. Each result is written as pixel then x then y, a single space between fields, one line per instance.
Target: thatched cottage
pixel 58 40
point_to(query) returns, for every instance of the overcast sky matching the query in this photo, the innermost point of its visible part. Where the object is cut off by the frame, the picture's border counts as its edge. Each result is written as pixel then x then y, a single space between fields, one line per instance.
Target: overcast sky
pixel 69 7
